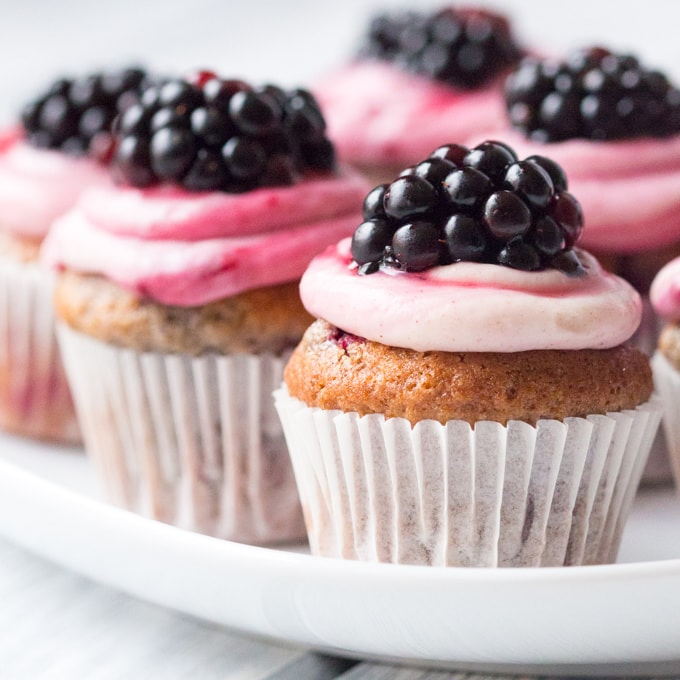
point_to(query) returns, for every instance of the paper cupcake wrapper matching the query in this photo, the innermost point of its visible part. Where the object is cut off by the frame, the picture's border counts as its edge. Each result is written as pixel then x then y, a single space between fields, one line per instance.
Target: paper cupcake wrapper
pixel 35 400
pixel 667 383
pixel 450 495
pixel 646 338
pixel 191 441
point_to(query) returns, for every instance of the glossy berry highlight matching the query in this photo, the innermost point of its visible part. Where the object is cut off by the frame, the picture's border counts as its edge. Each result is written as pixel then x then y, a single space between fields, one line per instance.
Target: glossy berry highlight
pixel 491 207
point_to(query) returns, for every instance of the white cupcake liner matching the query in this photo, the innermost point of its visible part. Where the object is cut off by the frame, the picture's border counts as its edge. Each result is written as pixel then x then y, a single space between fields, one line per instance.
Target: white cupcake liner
pixel 646 339
pixel 35 400
pixel 449 495
pixel 191 441
pixel 667 383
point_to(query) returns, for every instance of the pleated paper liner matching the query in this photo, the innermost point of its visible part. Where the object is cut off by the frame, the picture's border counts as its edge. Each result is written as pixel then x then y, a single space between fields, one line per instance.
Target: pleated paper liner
pixel 35 400
pixel 452 495
pixel 667 383
pixel 191 441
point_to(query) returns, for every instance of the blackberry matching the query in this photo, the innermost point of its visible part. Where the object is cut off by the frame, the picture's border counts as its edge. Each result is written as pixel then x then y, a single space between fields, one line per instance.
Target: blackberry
pixel 465 48
pixel 75 115
pixel 208 133
pixel 490 208
pixel 592 94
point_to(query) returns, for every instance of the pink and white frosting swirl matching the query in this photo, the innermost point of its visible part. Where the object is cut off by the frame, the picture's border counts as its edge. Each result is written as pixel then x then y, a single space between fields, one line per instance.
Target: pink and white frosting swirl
pixel 39 185
pixel 664 293
pixel 629 189
pixel 377 114
pixel 472 307
pixel 183 248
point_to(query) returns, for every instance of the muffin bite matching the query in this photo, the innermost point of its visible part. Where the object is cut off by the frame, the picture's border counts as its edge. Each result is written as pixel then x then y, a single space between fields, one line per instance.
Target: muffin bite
pixel 177 299
pixel 419 78
pixel 56 151
pixel 466 396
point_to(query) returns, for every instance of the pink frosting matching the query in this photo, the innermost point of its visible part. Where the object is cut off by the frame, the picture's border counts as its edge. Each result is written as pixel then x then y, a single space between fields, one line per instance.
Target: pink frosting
pixel 37 185
pixel 470 307
pixel 182 248
pixel 378 114
pixel 664 293
pixel 629 189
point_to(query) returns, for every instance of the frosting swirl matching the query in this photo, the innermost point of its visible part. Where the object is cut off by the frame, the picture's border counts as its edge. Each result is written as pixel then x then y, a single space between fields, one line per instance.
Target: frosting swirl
pixel 471 307
pixel 187 249
pixel 39 185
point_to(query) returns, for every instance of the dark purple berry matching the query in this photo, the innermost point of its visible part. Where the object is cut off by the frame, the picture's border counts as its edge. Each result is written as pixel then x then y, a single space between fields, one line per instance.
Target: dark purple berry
pixel 245 158
pixel 373 203
pixel 491 158
pixel 211 126
pixel 172 151
pixel 467 188
pixel 218 92
pixel 555 171
pixel 416 246
pixel 207 172
pixel 370 239
pixel 434 170
pixel 254 113
pixel 455 153
pixel 548 236
pixel 465 238
pixel 568 263
pixel 566 211
pixel 519 255
pixel 530 181
pixel 408 197
pixel 180 95
pixel 132 163
pixel 506 215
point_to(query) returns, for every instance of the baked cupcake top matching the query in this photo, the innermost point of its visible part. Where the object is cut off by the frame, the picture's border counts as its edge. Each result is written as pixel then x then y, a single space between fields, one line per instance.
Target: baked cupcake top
pixel 222 187
pixel 419 78
pixel 472 250
pixel 60 147
pixel 614 126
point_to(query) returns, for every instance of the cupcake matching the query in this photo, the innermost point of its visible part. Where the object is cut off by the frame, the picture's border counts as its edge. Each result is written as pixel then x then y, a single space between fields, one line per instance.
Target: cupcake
pixel 177 299
pixel 465 396
pixel 419 78
pixel 46 162
pixel 613 124
pixel 665 298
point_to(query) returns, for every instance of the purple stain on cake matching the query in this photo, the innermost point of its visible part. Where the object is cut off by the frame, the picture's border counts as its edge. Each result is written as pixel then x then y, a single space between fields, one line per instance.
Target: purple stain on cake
pixel 344 339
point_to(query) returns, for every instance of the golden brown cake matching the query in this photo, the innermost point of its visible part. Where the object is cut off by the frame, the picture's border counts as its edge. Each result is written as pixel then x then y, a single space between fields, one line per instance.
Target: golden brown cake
pixel 333 370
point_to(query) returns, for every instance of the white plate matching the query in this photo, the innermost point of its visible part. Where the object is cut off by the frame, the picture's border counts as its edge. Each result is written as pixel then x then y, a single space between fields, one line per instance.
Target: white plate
pixel 618 619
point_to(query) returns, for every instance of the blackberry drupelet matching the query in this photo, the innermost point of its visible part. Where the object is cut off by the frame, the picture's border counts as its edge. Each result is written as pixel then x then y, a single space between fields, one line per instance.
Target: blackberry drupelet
pixel 75 115
pixel 490 208
pixel 593 94
pixel 208 133
pixel 465 48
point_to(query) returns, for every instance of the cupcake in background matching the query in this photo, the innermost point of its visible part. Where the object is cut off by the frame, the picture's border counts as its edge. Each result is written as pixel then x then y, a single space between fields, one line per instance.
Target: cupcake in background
pixel 466 396
pixel 613 124
pixel 419 78
pixel 46 161
pixel 178 304
pixel 665 298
